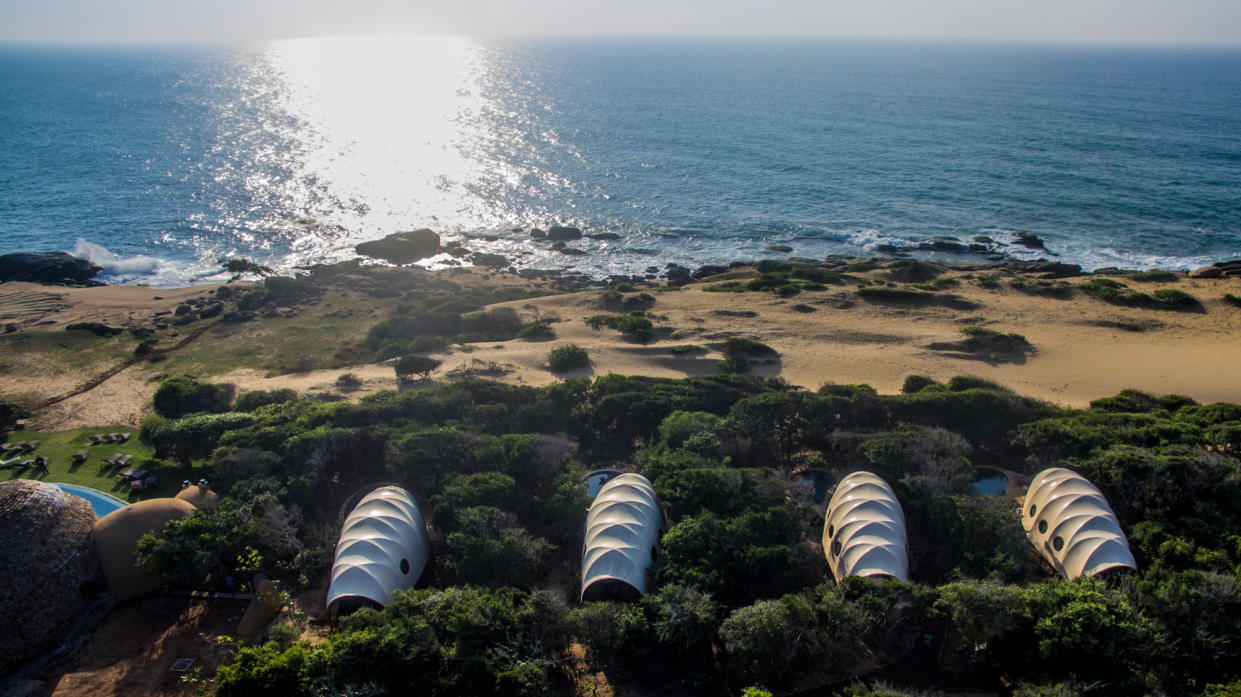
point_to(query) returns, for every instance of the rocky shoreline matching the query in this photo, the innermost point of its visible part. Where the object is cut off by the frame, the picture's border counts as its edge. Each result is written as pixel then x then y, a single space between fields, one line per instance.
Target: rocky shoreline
pixel 409 247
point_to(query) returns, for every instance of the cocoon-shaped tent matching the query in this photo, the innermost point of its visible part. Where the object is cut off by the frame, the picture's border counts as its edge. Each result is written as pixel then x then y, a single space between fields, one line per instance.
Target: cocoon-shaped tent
pixel 622 532
pixel 383 548
pixel 1070 523
pixel 864 532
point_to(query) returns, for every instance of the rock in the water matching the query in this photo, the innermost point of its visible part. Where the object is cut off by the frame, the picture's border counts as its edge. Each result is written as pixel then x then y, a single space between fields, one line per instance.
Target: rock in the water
pixel 1219 269
pixel 402 247
pixel 97 328
pixel 485 259
pixel 708 270
pixel 572 251
pixel 945 244
pixel 678 275
pixel 1047 269
pixel 887 248
pixel 779 248
pixel 52 268
pixel 538 234
pixel 604 236
pixel 1031 240
pixel 560 232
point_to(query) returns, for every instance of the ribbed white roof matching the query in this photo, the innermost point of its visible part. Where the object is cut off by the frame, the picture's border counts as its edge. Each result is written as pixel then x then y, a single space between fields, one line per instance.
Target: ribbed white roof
pixel 622 530
pixel 864 533
pixel 1070 523
pixel 384 529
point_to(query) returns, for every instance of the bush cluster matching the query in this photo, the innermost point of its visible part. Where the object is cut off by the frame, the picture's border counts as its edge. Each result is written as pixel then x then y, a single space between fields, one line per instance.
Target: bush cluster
pixel 739 591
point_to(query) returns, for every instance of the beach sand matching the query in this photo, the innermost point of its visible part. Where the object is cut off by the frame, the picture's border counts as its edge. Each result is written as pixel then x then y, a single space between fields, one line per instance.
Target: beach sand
pixel 1082 348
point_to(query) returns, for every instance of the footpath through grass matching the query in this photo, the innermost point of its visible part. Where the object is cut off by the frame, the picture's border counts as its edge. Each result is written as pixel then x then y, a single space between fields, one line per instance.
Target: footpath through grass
pixel 59 446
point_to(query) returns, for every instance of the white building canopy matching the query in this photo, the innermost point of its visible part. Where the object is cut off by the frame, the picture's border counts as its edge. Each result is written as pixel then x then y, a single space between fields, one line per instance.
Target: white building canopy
pixel 622 532
pixel 1071 524
pixel 864 532
pixel 383 548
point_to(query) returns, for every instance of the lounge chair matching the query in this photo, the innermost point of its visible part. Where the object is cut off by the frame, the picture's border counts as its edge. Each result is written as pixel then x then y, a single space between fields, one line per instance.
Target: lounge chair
pixel 107 438
pixel 32 444
pixel 18 446
pixel 135 485
pixel 122 437
pixel 4 447
pixel 115 459
pixel 124 460
pixel 79 456
pixel 95 439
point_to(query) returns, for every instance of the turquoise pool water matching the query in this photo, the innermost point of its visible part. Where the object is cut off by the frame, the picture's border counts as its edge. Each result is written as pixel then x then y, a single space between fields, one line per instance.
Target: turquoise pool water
pixel 596 480
pixel 992 483
pixel 101 502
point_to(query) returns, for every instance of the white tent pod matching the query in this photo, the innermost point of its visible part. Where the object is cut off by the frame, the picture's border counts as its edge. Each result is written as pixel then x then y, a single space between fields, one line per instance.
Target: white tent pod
pixel 622 532
pixel 864 531
pixel 1070 523
pixel 383 548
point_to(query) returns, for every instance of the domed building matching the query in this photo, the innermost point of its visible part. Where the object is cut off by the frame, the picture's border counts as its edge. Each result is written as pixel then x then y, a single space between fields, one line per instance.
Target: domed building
pixel 48 565
pixel 864 530
pixel 116 543
pixel 623 527
pixel 383 548
pixel 1070 523
pixel 203 498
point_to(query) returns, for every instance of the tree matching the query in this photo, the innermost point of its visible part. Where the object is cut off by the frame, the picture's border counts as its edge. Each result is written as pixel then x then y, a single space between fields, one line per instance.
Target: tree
pixel 763 639
pixel 181 395
pixel 407 366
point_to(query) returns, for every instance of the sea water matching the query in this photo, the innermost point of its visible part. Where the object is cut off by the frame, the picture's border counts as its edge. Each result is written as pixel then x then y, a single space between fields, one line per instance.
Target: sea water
pixel 156 162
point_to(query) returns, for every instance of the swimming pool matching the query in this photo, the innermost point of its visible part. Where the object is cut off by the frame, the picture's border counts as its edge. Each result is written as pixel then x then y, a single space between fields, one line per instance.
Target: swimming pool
pixel 990 482
pixel 595 480
pixel 101 502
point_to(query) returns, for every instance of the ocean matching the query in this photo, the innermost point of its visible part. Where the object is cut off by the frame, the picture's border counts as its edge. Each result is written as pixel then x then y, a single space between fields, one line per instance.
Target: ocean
pixel 156 162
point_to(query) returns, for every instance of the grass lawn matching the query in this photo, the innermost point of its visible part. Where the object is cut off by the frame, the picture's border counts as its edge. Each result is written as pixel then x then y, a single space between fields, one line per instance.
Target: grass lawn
pixel 59 447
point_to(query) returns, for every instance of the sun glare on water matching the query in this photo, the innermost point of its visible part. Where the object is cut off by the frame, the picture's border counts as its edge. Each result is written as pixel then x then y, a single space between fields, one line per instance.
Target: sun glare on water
pixel 378 134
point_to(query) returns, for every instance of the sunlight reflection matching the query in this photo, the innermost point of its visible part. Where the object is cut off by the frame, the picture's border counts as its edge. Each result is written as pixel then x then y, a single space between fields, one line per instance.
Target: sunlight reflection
pixel 386 125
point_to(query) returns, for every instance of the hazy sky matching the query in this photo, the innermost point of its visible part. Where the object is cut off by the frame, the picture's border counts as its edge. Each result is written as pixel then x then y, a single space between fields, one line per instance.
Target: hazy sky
pixel 1172 21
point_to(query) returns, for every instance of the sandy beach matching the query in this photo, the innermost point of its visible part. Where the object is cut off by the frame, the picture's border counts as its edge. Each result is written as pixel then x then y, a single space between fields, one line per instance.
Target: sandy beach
pixel 1081 348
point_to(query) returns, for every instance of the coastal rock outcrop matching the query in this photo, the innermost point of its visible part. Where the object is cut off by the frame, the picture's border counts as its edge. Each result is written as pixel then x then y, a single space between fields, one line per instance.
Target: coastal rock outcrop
pixel 486 259
pixel 1046 269
pixel 1220 269
pixel 402 247
pixel 561 232
pixel 50 268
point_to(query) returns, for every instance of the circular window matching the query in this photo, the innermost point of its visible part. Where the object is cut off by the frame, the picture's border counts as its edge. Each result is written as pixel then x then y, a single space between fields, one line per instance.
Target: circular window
pixel 654 554
pixel 1042 526
pixel 1058 544
pixel 1033 509
pixel 831 531
pixel 405 566
pixel 836 549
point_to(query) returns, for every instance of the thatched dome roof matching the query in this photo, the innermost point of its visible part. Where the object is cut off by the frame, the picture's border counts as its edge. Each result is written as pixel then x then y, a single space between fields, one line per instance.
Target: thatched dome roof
pixel 46 559
pixel 203 498
pixel 116 543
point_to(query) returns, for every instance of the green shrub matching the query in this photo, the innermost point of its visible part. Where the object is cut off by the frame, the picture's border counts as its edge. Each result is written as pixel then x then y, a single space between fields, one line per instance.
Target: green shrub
pixel 687 348
pixel 408 366
pixel 249 401
pixel 181 395
pixel 635 324
pixel 734 365
pixel 737 346
pixel 915 383
pixel 1155 276
pixel 1172 297
pixel 1232 299
pixel 537 331
pixel 568 357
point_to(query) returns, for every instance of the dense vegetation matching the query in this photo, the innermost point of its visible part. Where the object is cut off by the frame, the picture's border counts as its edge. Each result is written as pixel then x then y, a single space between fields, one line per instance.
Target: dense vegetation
pixel 741 594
